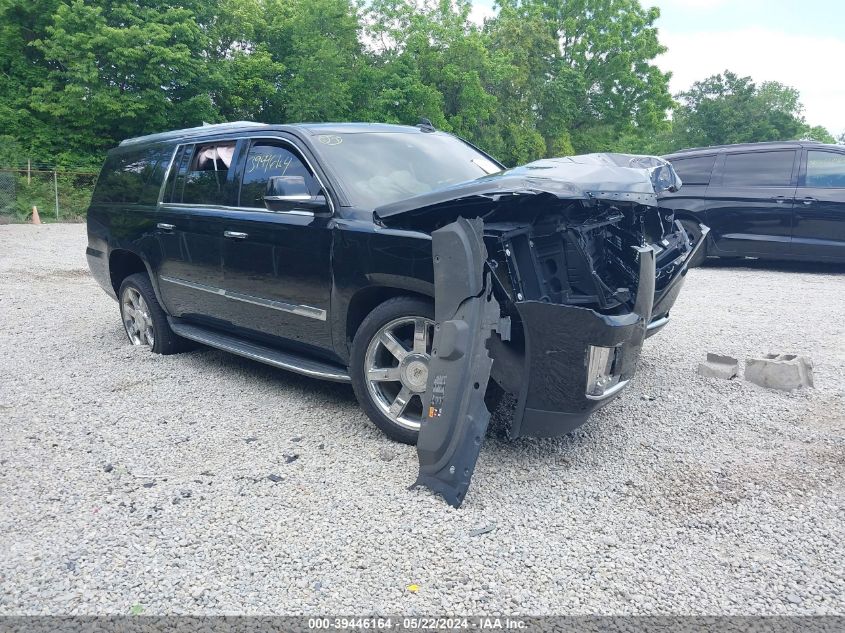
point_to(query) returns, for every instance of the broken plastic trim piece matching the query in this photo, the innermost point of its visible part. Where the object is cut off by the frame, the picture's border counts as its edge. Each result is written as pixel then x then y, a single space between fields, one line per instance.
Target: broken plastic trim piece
pixel 466 314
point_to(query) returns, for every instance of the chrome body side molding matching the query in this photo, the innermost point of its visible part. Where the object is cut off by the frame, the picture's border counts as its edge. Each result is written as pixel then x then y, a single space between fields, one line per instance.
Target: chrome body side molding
pixel 301 310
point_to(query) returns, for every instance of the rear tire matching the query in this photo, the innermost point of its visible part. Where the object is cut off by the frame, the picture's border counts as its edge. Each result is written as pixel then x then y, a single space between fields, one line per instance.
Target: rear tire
pixel 694 234
pixel 144 320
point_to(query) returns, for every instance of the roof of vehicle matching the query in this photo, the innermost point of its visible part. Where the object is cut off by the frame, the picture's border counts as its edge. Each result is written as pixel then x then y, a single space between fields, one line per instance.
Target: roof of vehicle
pixel 245 126
pixel 713 149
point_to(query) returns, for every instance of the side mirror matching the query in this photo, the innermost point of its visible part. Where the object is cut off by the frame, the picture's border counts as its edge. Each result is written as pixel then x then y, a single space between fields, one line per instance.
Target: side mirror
pixel 286 193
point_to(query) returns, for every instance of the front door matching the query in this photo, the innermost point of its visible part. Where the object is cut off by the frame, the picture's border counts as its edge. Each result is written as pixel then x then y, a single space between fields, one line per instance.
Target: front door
pixel 277 265
pixel 819 233
pixel 750 203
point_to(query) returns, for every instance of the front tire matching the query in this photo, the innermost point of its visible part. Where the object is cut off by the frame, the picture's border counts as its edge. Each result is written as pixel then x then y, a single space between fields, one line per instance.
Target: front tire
pixel 694 234
pixel 144 320
pixel 389 365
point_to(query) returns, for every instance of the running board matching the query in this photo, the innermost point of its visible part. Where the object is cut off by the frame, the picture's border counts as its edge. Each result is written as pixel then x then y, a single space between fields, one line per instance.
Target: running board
pixel 261 353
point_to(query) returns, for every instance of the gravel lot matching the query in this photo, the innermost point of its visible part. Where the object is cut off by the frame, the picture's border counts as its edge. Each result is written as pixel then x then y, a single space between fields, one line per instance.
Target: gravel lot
pixel 131 482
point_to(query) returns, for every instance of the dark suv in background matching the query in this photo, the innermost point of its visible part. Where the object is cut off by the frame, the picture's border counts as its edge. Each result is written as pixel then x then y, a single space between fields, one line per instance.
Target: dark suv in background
pixel 767 200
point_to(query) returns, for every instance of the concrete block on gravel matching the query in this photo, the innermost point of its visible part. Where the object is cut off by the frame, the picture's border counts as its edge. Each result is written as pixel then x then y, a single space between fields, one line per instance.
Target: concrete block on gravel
pixel 718 366
pixel 780 371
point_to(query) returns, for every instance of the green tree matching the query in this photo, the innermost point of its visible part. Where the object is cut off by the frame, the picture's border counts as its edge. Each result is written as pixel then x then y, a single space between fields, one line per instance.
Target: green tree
pixel 430 51
pixel 112 70
pixel 23 66
pixel 317 42
pixel 727 108
pixel 589 69
pixel 819 134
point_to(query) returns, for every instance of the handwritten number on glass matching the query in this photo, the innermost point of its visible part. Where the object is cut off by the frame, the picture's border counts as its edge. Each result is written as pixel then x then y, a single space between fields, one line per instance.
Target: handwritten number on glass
pixel 264 163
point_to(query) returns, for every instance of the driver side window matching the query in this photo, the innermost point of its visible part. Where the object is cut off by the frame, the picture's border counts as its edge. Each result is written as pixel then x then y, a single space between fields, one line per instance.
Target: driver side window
pixel 266 160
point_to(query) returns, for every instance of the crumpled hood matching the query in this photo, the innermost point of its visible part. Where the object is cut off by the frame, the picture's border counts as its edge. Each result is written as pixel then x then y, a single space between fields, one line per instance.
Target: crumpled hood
pixel 607 176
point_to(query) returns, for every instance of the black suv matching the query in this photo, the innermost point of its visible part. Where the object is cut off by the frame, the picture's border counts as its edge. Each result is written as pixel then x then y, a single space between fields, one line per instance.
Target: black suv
pixel 767 200
pixel 400 259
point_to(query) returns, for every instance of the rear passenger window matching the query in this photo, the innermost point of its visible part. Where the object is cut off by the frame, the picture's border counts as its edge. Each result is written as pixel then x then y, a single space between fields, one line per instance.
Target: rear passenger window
pixel 202 173
pixel 132 177
pixel 694 171
pixel 825 170
pixel 759 169
pixel 265 160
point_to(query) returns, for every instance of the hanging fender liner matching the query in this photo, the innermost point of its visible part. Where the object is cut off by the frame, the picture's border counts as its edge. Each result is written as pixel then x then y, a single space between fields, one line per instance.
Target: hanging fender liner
pixel 455 417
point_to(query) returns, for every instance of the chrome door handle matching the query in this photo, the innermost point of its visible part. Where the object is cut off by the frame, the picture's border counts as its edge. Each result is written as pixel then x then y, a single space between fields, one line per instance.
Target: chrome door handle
pixel 165 227
pixel 235 234
pixel 780 199
pixel 808 201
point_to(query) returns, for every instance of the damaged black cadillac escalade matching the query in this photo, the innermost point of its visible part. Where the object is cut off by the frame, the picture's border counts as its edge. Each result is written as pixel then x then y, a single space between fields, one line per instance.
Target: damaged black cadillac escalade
pixel 400 259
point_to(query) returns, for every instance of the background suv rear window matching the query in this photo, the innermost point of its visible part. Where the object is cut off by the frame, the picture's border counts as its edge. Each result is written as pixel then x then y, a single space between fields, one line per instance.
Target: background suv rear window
pixel 758 169
pixel 825 170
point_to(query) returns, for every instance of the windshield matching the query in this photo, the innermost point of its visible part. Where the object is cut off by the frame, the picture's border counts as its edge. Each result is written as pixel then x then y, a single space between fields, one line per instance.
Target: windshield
pixel 377 168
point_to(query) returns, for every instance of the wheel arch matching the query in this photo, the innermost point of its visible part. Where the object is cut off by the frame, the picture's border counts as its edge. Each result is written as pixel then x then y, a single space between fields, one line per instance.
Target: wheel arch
pixel 123 263
pixel 367 299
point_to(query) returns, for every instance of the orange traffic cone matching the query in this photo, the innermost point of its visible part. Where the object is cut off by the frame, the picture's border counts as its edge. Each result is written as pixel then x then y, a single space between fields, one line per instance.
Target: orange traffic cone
pixel 35 218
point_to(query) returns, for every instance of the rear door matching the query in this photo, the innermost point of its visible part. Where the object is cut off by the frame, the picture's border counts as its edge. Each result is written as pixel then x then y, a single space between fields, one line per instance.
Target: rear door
pixel 751 202
pixel 819 233
pixel 277 264
pixel 189 229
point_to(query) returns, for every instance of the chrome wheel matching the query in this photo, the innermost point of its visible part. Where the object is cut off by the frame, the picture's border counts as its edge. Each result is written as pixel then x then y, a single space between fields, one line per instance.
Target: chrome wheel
pixel 396 368
pixel 136 318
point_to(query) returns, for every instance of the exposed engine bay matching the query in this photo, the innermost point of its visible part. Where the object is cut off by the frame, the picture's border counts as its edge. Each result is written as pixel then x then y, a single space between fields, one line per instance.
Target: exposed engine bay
pixel 566 266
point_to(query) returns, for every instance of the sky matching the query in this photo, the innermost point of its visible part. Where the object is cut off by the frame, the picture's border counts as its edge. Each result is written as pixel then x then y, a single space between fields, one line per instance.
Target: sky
pixel 800 43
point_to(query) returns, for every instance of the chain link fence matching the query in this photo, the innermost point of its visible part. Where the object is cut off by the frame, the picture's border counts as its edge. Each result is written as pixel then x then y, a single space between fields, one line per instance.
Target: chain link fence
pixel 59 195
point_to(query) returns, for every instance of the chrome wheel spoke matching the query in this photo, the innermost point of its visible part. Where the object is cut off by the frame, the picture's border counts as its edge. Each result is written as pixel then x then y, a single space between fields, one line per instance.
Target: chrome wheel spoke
pixel 401 401
pixel 393 346
pixel 420 336
pixel 388 374
pixel 136 318
pixel 397 358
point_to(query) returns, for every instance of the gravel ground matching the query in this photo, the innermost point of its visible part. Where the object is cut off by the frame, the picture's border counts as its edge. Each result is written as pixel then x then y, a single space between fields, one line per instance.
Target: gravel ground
pixel 131 482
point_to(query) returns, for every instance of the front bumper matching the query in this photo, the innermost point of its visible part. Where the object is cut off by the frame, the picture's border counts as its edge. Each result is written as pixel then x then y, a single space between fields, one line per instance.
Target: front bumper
pixel 555 395
pixel 554 398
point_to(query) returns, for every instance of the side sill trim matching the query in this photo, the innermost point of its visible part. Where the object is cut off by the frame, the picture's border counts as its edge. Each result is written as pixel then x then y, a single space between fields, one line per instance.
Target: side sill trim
pixel 300 310
pixel 270 356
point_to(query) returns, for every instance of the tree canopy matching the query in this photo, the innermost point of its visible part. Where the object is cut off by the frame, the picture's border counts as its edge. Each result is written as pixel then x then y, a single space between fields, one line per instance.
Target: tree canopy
pixel 726 108
pixel 540 78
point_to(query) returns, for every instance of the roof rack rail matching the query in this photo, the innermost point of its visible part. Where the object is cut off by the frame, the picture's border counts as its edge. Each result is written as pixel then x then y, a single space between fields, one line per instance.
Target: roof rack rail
pixel 190 132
